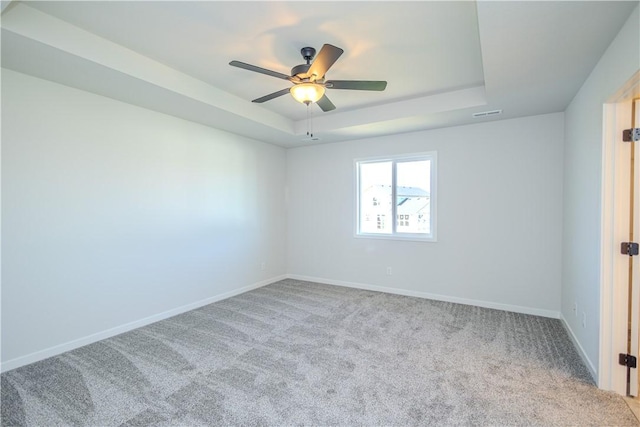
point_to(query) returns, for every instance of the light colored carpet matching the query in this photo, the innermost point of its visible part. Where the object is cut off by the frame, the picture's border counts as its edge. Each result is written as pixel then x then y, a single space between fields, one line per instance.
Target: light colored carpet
pixel 299 353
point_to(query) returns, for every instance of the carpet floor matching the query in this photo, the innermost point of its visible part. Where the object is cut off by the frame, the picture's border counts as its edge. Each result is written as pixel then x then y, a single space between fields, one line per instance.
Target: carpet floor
pixel 300 353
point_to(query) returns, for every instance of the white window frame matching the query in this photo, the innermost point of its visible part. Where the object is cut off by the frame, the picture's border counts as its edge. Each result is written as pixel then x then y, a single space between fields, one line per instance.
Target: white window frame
pixel 420 237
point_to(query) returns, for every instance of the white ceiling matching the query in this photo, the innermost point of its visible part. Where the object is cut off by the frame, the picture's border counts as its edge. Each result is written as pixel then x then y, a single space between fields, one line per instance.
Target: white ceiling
pixel 443 60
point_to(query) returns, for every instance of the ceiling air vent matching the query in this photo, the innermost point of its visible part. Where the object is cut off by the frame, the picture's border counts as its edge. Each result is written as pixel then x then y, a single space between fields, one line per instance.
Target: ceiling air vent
pixel 487 113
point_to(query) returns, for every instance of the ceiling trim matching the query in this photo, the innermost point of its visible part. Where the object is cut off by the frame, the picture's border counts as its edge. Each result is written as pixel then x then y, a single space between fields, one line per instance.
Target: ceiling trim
pixel 525 71
pixel 437 103
pixel 36 30
pixel 35 25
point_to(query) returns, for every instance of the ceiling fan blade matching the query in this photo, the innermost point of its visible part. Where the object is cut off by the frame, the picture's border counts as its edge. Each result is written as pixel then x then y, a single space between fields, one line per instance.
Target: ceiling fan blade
pixel 325 104
pixel 259 70
pixel 356 84
pixel 271 96
pixel 327 56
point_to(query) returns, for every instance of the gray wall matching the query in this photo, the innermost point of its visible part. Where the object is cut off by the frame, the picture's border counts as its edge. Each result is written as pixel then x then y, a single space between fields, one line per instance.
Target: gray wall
pixel 499 216
pixel 112 213
pixel 583 186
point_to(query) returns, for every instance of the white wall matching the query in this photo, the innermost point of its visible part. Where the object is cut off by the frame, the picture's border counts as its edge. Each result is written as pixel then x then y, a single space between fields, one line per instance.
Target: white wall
pixel 499 216
pixel 112 213
pixel 582 186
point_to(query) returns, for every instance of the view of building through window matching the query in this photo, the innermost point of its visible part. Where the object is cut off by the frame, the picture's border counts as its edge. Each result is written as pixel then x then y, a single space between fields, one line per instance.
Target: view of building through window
pixel 399 204
pixel 375 200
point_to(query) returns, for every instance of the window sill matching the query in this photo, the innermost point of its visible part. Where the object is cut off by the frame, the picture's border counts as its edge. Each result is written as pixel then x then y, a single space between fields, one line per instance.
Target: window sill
pixel 410 238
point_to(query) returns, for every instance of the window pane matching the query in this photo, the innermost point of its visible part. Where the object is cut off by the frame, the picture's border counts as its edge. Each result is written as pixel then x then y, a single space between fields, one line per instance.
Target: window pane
pixel 413 187
pixel 376 212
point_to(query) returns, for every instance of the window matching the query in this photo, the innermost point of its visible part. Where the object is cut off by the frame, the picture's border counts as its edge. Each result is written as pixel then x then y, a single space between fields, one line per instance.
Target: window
pixel 402 187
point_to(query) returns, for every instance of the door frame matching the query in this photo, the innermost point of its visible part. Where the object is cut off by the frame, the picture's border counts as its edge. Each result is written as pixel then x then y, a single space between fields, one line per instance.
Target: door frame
pixel 614 230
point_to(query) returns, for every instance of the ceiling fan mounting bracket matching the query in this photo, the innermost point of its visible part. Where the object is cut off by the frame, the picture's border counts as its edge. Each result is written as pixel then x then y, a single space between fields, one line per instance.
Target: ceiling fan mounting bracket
pixel 308 53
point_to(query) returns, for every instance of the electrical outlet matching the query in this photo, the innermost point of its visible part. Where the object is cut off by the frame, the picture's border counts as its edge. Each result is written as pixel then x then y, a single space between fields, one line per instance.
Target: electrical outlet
pixel 575 309
pixel 263 266
pixel 389 272
pixel 584 319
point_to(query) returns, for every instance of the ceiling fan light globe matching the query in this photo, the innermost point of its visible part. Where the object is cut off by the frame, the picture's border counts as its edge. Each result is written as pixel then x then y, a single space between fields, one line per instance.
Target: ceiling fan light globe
pixel 306 93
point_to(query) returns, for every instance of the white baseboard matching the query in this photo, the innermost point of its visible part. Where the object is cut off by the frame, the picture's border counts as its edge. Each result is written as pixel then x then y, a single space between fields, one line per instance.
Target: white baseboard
pixel 581 352
pixel 80 342
pixel 487 304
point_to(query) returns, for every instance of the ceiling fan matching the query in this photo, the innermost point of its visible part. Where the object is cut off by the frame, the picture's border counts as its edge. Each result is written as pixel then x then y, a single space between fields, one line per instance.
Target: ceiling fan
pixel 308 79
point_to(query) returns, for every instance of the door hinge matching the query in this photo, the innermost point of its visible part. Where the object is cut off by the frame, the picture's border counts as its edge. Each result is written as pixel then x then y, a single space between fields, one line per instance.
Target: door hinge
pixel 629 248
pixel 627 360
pixel 629 135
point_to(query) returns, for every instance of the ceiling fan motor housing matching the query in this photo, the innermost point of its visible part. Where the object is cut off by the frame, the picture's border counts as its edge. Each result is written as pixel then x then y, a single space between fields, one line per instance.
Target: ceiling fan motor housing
pixel 300 69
